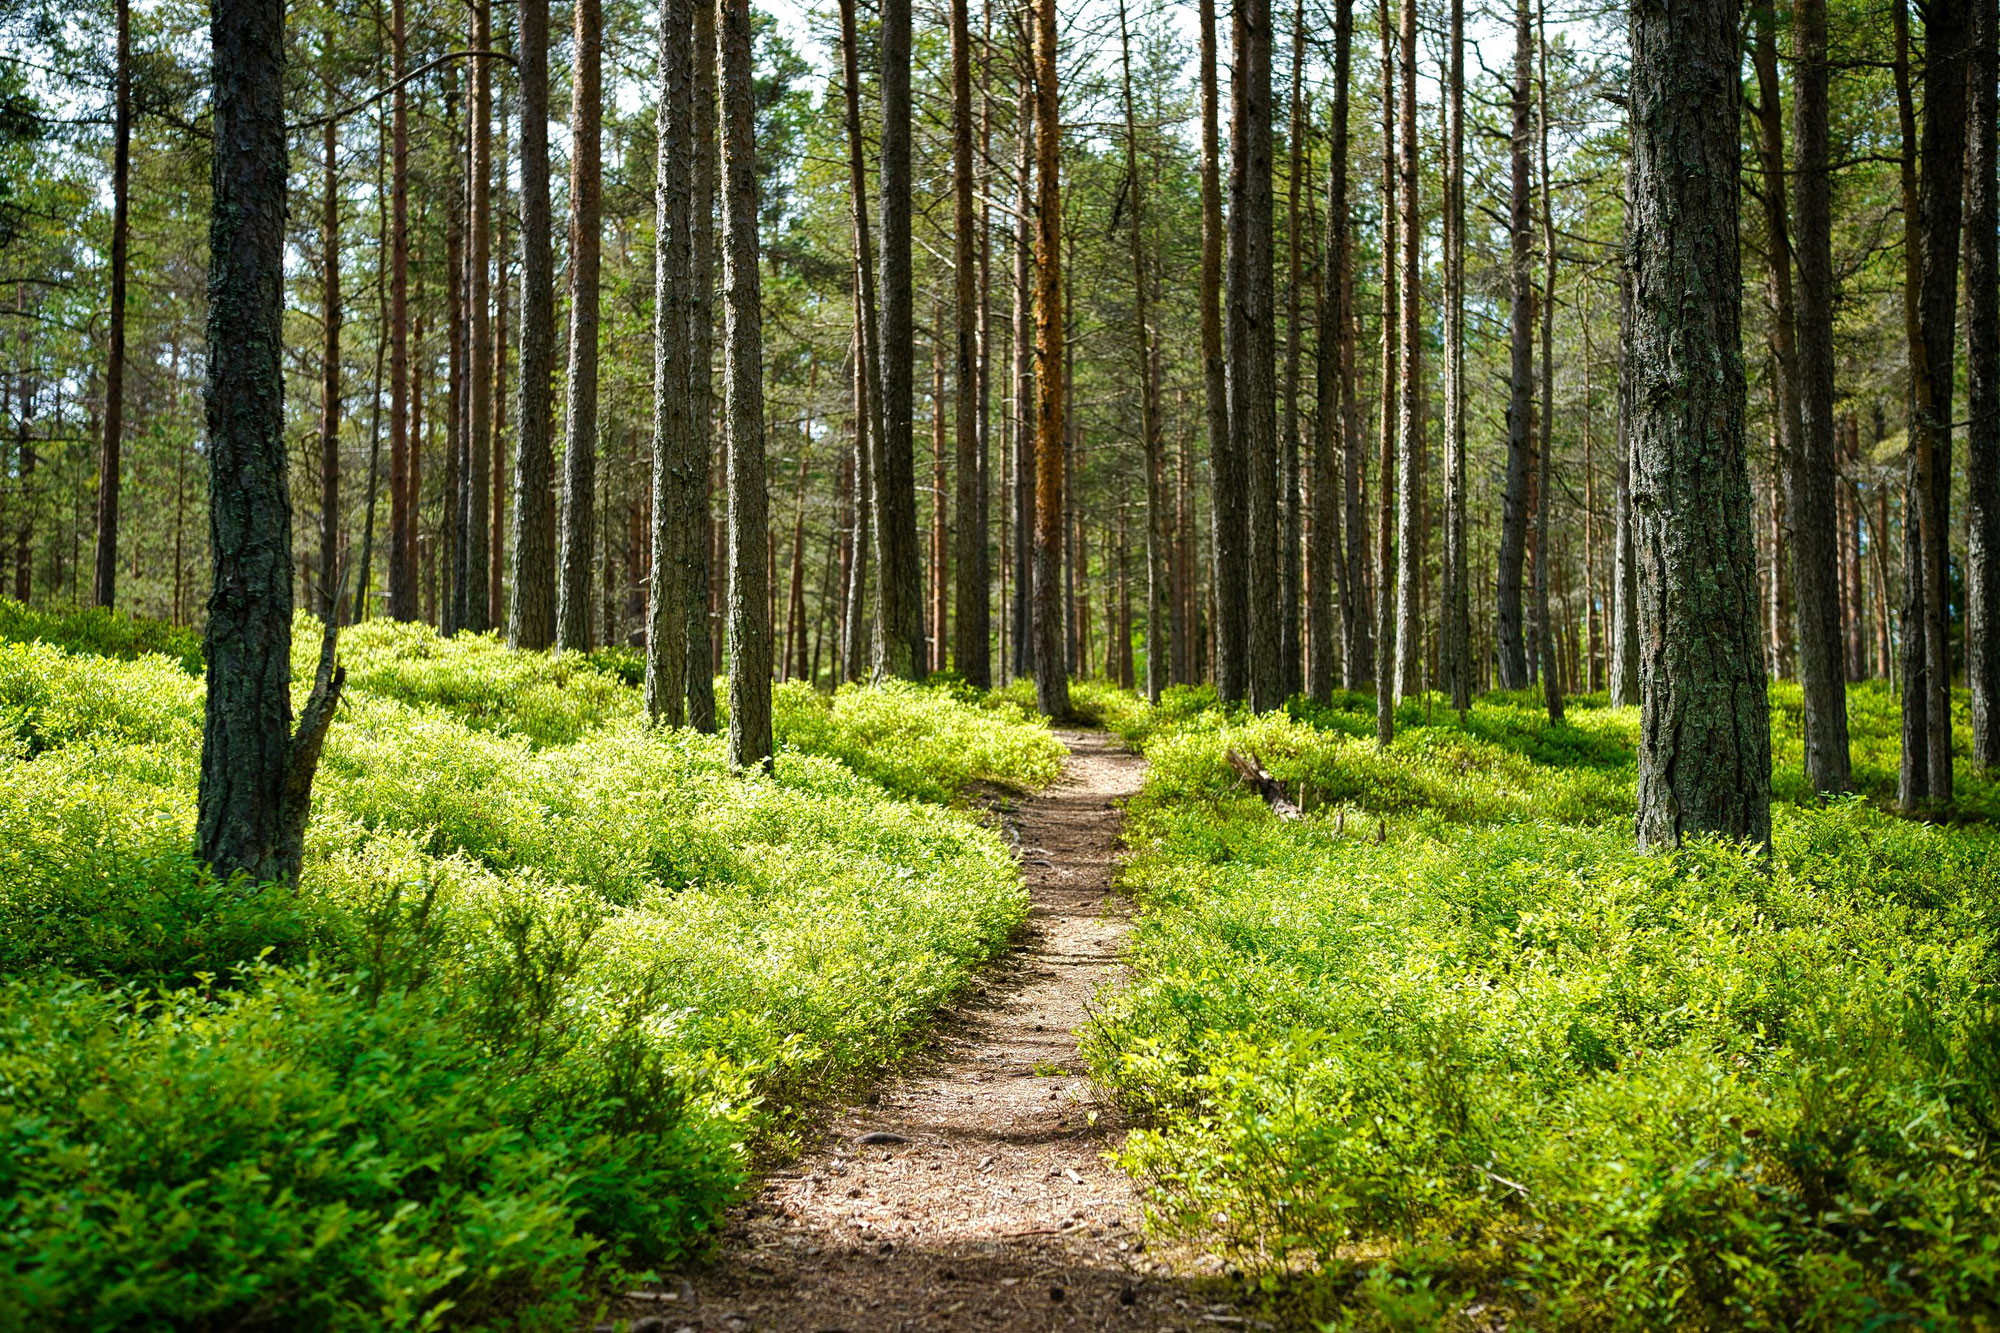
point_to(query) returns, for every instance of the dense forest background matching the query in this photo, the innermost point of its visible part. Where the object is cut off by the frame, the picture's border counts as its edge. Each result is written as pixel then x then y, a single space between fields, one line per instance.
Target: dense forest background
pixel 1131 160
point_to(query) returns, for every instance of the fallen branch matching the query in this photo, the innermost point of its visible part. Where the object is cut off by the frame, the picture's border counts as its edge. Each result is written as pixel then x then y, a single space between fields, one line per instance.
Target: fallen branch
pixel 1258 780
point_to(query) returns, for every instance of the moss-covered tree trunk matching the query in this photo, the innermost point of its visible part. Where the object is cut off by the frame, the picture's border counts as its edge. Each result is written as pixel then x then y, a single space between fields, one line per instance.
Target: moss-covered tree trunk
pixel 256 774
pixel 1705 729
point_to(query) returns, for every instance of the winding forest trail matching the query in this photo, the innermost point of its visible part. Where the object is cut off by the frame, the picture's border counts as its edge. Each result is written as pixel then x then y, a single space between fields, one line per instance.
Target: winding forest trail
pixel 989 1204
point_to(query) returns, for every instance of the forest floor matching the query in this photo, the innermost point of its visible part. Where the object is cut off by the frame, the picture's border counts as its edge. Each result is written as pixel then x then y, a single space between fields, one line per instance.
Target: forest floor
pixel 973 1190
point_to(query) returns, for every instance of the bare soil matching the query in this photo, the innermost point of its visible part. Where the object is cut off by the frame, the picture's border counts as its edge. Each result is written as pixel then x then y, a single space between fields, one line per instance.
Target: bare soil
pixel 973 1191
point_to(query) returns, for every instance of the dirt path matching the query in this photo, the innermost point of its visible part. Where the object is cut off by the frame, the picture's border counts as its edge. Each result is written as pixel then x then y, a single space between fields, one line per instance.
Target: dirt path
pixel 989 1205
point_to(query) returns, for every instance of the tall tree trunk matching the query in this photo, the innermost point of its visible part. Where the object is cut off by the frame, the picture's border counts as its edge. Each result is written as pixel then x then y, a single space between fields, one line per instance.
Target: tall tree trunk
pixel 1252 311
pixel 678 472
pixel 868 367
pixel 1812 464
pixel 1336 448
pixel 899 627
pixel 1512 647
pixel 1784 320
pixel 1290 574
pixel 1228 473
pixel 111 462
pixel 1625 556
pixel 937 648
pixel 743 408
pixel 1410 421
pixel 1455 651
pixel 403 493
pixel 326 603
pixel 1705 720
pixel 531 617
pixel 974 632
pixel 1051 660
pixel 1357 608
pixel 1932 209
pixel 984 181
pixel 256 773
pixel 704 539
pixel 495 499
pixel 1982 391
pixel 855 643
pixel 579 499
pixel 1385 467
pixel 1552 689
pixel 451 611
pixel 1024 365
pixel 1157 631
pixel 479 377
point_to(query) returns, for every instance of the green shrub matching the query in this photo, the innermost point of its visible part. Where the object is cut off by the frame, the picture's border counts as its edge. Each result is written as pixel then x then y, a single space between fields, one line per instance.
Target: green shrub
pixel 550 978
pixel 1451 1038
pixel 98 632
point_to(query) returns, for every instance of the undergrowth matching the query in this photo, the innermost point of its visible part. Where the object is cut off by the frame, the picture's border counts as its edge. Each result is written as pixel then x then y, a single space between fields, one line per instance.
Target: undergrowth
pixel 551 979
pixel 1448 1050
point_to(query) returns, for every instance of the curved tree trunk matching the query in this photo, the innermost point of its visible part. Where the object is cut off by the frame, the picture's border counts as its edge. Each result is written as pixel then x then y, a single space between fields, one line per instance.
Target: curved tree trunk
pixel 1705 722
pixel 586 176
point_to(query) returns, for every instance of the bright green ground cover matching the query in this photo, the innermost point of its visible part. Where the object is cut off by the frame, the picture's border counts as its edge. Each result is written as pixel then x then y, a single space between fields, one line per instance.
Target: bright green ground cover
pixel 1450 1046
pixel 550 980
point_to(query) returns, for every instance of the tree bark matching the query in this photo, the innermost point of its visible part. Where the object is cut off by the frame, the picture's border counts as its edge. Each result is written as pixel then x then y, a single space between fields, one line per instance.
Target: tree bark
pixel 675 482
pixel 1813 462
pixel 256 773
pixel 1410 443
pixel 1228 473
pixel 704 655
pixel 1158 633
pixel 1512 650
pixel 403 495
pixel 899 626
pixel 1455 652
pixel 1982 391
pixel 532 614
pixel 1385 469
pixel 1705 740
pixel 974 628
pixel 868 367
pixel 579 500
pixel 1024 370
pixel 1252 339
pixel 1290 574
pixel 1336 457
pixel 111 464
pixel 1932 211
pixel 1051 660
pixel 743 387
pixel 1625 557
pixel 479 377
pixel 329 366
pixel 1552 689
